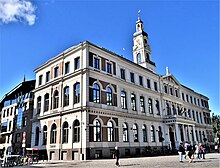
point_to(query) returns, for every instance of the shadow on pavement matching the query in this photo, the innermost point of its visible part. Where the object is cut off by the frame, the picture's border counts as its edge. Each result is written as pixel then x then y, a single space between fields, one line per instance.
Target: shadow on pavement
pixel 130 165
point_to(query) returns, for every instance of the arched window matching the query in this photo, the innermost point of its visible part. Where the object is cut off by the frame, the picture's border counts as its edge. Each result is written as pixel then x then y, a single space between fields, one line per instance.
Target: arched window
pixel 123 100
pixel 77 93
pixel 133 102
pixel 65 132
pixel 37 136
pixel 44 135
pixel 110 130
pixel 96 93
pixel 144 129
pixel 150 106
pixel 135 132
pixel 38 105
pixel 46 102
pixel 53 135
pixel 152 133
pixel 56 99
pixel 66 96
pixel 139 58
pixel 97 130
pixel 125 132
pixel 109 96
pixel 160 134
pixel 76 131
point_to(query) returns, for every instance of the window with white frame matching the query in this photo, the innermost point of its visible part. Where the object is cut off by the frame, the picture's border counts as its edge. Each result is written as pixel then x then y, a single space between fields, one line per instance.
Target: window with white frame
pixel 109 68
pixel 142 106
pixel 125 132
pixel 133 102
pixel 123 100
pixel 110 130
pixel 97 130
pixel 109 96
pixel 96 63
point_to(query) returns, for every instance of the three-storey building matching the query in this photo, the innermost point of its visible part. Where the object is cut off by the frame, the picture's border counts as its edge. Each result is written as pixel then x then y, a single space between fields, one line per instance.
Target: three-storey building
pixel 89 100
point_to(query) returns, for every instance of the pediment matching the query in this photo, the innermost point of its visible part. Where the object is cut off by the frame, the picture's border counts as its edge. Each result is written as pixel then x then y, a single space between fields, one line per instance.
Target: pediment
pixel 171 79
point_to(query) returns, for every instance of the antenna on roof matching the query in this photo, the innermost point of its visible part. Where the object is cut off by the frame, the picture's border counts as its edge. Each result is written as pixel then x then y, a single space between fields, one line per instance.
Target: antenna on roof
pixel 24 79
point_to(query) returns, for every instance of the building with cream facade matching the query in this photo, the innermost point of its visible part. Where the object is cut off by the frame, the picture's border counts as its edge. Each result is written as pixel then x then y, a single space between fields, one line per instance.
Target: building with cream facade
pixel 89 100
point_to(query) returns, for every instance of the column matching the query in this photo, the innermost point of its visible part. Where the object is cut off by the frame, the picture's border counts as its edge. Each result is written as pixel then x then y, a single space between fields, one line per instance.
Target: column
pixel 184 133
pixel 194 134
pixel 190 137
pixel 177 133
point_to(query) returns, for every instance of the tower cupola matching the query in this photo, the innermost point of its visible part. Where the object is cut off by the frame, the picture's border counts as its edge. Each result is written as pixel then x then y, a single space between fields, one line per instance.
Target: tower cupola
pixel 141 48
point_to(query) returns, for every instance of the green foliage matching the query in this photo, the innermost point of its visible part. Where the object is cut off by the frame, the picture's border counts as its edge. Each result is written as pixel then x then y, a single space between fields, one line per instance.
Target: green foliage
pixel 216 124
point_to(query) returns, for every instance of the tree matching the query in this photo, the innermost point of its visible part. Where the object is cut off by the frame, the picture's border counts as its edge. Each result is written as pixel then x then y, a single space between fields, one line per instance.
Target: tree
pixel 216 126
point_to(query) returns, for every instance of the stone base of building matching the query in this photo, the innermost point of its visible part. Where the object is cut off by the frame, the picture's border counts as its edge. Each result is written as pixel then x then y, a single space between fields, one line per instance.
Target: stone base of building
pixel 99 153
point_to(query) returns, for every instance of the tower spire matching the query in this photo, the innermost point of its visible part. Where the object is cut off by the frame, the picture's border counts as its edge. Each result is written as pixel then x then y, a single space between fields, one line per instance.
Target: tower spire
pixel 139 13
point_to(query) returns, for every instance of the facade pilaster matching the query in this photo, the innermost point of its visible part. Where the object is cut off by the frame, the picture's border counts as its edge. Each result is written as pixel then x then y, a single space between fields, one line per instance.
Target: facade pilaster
pixel 177 133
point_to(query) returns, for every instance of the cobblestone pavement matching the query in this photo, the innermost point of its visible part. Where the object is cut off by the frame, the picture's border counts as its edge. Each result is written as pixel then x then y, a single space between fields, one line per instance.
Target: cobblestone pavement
pixel 211 161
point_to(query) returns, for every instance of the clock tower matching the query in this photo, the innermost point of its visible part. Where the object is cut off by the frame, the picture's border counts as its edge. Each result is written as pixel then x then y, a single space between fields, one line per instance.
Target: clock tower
pixel 141 48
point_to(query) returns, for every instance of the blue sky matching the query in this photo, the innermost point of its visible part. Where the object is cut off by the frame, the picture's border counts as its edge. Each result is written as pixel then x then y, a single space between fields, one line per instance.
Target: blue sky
pixel 183 35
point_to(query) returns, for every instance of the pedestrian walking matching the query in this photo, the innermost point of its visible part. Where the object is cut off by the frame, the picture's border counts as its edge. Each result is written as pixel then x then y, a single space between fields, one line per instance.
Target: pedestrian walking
pixel 190 153
pixel 117 154
pixel 181 152
pixel 186 149
pixel 197 151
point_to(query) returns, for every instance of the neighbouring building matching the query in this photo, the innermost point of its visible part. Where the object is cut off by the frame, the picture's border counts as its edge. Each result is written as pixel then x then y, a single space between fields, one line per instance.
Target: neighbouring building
pixel 89 100
pixel 16 109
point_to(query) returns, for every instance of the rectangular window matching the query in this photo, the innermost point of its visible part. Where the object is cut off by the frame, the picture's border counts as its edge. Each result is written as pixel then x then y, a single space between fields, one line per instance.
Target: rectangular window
pixel 77 63
pixel 132 77
pixel 148 84
pixel 96 63
pixel 142 106
pixel 194 100
pixel 133 102
pixel 155 86
pixel 187 98
pixel 176 92
pixel 40 80
pixel 56 71
pixel 109 68
pixel 122 74
pixel 24 121
pixel 191 99
pixel 183 97
pixel 171 91
pixel 67 67
pixel 48 76
pixel 141 80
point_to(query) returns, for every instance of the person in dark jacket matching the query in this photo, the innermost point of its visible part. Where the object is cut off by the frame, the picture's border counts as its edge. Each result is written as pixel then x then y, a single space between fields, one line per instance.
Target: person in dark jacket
pixel 181 152
pixel 117 154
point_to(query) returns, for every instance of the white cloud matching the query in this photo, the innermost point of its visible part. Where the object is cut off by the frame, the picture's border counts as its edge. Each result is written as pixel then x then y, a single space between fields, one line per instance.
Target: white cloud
pixel 17 10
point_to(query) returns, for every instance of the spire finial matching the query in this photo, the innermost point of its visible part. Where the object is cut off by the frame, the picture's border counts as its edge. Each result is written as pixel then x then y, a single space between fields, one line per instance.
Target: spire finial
pixel 24 79
pixel 139 13
pixel 167 70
